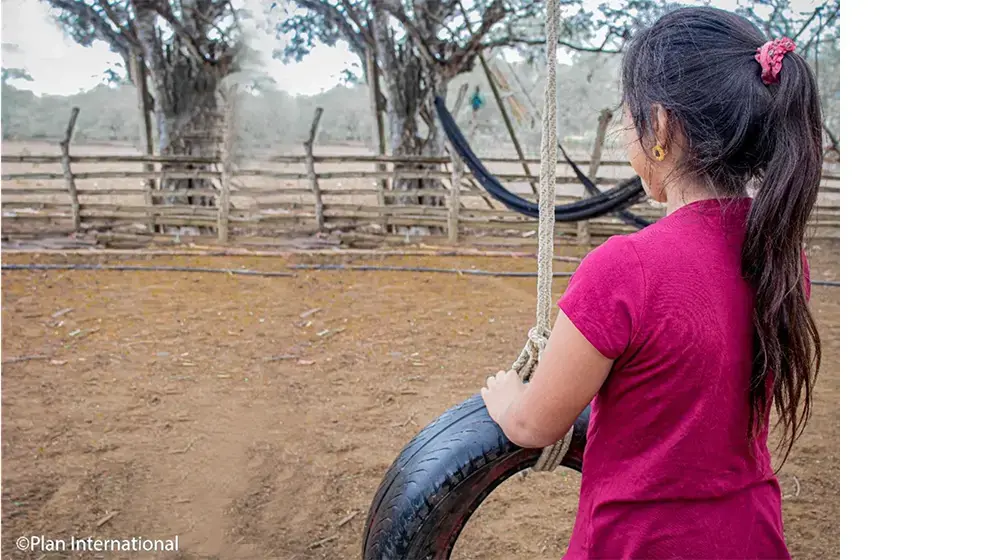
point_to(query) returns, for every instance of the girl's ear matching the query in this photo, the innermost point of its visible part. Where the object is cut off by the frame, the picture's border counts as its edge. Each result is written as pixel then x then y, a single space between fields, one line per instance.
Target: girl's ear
pixel 661 127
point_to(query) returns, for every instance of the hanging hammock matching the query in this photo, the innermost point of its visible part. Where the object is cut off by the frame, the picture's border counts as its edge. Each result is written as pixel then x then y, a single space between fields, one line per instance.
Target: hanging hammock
pixel 619 197
pixel 629 218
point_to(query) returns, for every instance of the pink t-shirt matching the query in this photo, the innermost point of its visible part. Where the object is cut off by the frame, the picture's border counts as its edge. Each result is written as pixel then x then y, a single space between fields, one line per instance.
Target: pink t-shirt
pixel 668 471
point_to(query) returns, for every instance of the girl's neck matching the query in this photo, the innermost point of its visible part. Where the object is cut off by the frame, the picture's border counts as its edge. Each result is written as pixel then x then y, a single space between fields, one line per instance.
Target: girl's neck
pixel 681 193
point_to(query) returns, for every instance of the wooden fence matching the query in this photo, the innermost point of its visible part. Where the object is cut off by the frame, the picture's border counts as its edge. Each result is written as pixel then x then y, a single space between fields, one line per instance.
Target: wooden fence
pixel 266 198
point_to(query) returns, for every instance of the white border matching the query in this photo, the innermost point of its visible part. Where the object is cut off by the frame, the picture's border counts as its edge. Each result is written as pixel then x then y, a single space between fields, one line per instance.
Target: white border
pixel 919 300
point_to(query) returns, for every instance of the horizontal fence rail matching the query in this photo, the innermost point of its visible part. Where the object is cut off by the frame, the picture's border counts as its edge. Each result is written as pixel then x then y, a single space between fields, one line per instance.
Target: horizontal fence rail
pixel 266 201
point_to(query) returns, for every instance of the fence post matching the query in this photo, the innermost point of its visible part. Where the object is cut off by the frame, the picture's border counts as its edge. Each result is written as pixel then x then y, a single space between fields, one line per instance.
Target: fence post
pixel 228 136
pixel 138 68
pixel 375 99
pixel 454 196
pixel 311 168
pixel 67 172
pixel 583 227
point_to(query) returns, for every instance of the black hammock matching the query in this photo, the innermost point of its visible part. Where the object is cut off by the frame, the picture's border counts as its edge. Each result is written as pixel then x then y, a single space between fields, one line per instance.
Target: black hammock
pixel 617 198
pixel 629 218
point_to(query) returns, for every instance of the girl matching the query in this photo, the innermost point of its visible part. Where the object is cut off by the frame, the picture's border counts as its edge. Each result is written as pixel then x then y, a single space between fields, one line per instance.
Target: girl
pixel 684 334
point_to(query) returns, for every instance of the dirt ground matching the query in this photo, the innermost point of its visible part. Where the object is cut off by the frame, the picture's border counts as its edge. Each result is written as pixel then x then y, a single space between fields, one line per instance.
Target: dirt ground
pixel 215 408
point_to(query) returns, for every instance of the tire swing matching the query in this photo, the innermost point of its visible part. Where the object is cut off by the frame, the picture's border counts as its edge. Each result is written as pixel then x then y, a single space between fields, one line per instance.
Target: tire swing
pixel 446 471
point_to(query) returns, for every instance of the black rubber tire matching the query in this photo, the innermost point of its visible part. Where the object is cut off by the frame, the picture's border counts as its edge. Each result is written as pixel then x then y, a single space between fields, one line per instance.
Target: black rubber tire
pixel 440 478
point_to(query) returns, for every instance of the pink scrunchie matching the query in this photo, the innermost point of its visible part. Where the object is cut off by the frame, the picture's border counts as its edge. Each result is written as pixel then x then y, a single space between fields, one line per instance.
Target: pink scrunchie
pixel 769 56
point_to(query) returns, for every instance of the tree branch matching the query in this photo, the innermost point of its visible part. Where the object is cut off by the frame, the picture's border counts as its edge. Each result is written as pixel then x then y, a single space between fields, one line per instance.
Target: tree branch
pixel 152 52
pixel 182 33
pixel 396 10
pixel 822 26
pixel 123 30
pixel 102 28
pixel 384 44
pixel 359 39
pixel 808 21
pixel 210 19
pixel 493 14
pixel 363 23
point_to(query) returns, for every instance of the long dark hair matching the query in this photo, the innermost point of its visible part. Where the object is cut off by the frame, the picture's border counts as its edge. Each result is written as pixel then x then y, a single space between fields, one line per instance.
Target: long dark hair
pixel 698 64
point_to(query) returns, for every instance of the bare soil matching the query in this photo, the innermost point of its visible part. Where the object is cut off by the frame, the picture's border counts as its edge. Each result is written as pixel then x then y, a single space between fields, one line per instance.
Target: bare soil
pixel 217 408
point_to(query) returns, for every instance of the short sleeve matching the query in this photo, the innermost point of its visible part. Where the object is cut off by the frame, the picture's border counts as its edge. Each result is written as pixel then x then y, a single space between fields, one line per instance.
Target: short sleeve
pixel 605 296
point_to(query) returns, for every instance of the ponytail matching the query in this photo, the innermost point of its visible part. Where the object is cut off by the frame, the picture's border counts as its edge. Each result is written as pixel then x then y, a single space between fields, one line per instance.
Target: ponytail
pixel 786 340
pixel 746 119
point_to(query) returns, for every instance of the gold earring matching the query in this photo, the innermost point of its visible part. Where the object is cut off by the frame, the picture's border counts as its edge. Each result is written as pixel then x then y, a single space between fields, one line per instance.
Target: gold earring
pixel 658 153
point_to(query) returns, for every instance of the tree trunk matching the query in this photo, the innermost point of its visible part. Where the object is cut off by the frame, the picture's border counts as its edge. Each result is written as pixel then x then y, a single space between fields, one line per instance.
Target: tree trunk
pixel 410 87
pixel 190 127
pixel 411 135
pixel 185 110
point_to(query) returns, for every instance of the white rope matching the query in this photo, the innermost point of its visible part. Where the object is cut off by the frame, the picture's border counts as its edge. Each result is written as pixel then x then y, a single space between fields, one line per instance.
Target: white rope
pixel 526 363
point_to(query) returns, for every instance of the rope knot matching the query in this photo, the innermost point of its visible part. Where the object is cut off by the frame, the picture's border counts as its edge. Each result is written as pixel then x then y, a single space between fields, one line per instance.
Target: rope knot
pixel 539 336
pixel 527 361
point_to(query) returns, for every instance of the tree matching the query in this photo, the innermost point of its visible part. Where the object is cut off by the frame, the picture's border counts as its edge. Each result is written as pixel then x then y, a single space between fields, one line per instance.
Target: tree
pixel 275 120
pixel 9 74
pixel 16 74
pixel 185 48
pixel 14 120
pixel 416 48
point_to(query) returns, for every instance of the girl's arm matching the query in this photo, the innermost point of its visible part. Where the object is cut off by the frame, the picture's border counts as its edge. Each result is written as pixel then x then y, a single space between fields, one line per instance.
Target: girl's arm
pixel 568 376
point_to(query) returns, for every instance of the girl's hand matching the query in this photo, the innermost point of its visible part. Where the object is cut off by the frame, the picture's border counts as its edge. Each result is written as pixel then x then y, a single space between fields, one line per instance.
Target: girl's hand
pixel 501 392
pixel 569 374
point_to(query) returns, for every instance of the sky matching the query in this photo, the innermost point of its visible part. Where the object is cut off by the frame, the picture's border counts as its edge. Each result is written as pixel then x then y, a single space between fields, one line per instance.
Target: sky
pixel 60 66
